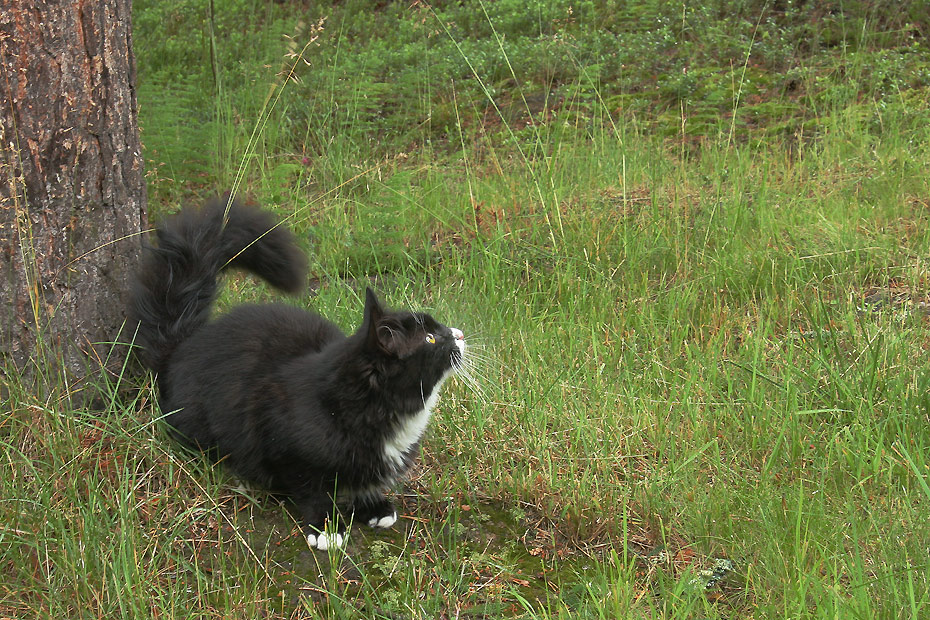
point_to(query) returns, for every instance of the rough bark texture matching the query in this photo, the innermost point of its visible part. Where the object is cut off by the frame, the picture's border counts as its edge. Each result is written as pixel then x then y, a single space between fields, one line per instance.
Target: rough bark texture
pixel 72 190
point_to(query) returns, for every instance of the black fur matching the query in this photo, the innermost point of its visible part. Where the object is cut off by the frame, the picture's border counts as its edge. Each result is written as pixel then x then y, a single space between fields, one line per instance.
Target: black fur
pixel 280 394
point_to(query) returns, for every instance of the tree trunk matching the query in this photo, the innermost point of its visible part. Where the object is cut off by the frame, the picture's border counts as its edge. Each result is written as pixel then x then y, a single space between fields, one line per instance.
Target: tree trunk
pixel 72 189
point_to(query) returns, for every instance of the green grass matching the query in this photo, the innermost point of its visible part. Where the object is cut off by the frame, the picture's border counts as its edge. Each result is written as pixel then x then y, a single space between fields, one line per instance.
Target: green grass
pixel 696 284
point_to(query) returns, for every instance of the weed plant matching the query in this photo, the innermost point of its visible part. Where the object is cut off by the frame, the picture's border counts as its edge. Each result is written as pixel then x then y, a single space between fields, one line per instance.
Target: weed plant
pixel 688 244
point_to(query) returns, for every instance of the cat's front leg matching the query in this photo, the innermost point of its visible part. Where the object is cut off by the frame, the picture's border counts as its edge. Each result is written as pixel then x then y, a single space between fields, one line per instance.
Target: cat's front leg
pixel 321 523
pixel 374 510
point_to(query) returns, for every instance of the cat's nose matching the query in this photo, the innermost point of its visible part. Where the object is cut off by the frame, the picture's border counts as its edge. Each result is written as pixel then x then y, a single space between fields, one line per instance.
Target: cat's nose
pixel 457 334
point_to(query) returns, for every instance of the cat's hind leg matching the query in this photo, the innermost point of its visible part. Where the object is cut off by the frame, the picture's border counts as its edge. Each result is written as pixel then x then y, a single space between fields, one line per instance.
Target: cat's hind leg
pixel 374 510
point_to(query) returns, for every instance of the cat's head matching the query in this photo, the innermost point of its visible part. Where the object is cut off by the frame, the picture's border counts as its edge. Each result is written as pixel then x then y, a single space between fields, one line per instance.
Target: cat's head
pixel 415 351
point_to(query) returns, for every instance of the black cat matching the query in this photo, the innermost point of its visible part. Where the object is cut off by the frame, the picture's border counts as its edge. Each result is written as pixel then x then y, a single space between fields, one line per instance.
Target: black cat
pixel 280 394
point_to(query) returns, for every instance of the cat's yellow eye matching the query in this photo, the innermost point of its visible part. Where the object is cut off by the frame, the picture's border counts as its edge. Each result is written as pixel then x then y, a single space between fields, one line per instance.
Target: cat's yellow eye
pixel 430 339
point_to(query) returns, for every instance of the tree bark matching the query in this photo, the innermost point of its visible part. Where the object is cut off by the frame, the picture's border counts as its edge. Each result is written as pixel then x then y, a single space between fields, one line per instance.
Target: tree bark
pixel 72 189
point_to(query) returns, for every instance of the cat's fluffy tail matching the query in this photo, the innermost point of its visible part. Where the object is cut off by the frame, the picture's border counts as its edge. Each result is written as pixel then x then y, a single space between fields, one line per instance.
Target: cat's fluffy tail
pixel 177 280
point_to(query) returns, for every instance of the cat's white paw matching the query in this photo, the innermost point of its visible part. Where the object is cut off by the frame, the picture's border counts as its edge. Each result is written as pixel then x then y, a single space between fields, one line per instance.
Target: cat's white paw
pixel 326 540
pixel 383 522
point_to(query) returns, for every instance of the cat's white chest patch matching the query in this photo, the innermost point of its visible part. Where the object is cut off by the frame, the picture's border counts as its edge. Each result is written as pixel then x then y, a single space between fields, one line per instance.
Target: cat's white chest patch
pixel 409 431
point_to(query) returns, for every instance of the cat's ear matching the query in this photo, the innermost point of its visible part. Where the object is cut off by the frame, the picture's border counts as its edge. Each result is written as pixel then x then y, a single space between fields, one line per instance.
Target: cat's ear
pixel 376 336
pixel 372 303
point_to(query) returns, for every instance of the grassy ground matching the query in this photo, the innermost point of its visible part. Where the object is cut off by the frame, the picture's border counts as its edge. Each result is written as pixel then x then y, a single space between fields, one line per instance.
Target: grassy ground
pixel 690 248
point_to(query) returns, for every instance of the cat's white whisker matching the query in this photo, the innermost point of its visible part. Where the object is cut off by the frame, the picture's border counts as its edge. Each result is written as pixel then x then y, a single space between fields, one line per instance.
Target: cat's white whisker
pixel 472 377
pixel 467 369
